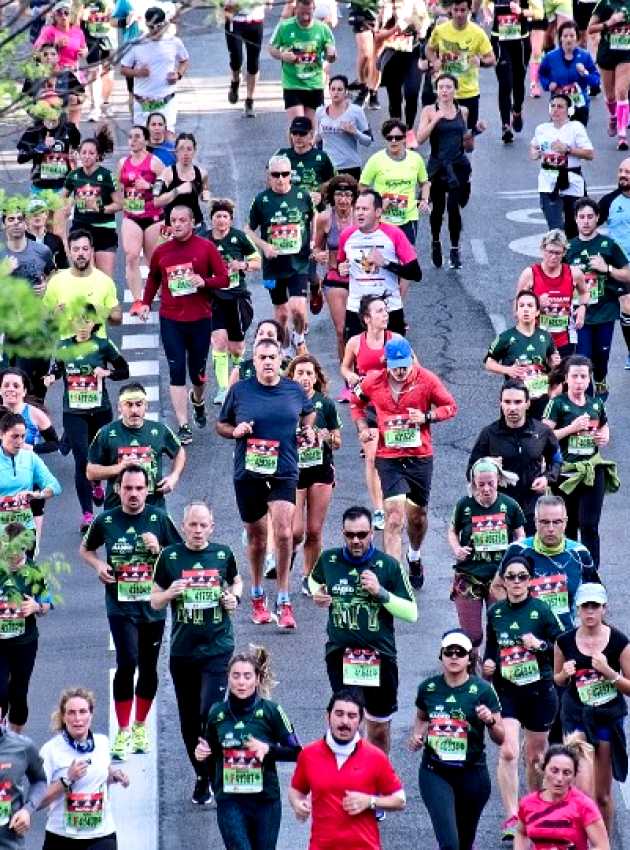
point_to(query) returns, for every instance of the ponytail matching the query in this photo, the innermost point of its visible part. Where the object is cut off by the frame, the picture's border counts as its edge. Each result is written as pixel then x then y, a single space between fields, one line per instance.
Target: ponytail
pixel 260 660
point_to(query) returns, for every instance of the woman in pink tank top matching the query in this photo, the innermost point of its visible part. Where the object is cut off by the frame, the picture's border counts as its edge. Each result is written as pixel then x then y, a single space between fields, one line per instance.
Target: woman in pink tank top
pixel 142 220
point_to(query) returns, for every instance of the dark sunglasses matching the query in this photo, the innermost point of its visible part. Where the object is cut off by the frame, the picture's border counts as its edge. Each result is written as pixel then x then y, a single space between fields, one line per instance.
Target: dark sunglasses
pixel 517 577
pixel 280 173
pixel 358 535
pixel 455 652
pixel 300 132
pixel 394 138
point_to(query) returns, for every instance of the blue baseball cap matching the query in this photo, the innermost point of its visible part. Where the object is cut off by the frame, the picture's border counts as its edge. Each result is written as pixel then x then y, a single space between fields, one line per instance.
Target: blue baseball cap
pixel 398 354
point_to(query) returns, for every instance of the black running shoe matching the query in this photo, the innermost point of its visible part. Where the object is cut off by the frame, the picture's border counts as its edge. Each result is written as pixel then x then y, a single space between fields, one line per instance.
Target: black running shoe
pixel 436 253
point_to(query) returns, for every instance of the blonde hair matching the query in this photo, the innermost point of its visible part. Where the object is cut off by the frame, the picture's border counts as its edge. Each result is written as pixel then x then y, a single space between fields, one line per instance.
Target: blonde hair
pixel 56 718
pixel 260 660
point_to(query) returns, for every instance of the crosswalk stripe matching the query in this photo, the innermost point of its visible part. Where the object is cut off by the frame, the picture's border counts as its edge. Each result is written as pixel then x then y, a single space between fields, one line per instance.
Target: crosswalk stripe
pixel 140 341
pixel 134 321
pixel 140 368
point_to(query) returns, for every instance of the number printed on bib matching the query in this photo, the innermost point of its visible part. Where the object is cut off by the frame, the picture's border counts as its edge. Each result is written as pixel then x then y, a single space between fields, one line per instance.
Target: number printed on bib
pixel 552 590
pixel 54 166
pixel 12 623
pixel 593 689
pixel 620 37
pixel 519 665
pixel 242 772
pixel 583 443
pixel 308 455
pixel 400 433
pixel 134 202
pixel 509 27
pixel 395 207
pixel 180 280
pixel 536 381
pixel 362 667
pixel 448 737
pixel 83 812
pixel 203 589
pixel 15 509
pixel 84 392
pixel 595 283
pixel 261 456
pixel 5 803
pixel 286 238
pixel 133 582
pixel 489 533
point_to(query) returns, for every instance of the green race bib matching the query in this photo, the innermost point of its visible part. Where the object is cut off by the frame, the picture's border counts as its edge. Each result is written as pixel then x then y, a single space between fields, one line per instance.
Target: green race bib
pixel 489 533
pixel 519 665
pixel 554 323
pixel 84 392
pixel 448 737
pixel 83 812
pixel 286 238
pixel 395 208
pixel 142 455
pixel 361 667
pixel 595 283
pixel 242 772
pixel 133 204
pixel 536 382
pixel 179 280
pixel 261 456
pixel 15 509
pixel 12 623
pixel 509 27
pixel 620 37
pixel 593 689
pixel 308 455
pixel 553 591
pixel 133 582
pixel 53 167
pixel 5 803
pixel 399 433
pixel 203 589
pixel 582 444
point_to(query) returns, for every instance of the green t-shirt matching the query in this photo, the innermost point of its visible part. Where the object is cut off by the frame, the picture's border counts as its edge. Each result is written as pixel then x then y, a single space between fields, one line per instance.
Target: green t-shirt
pixel 146 444
pixel 507 622
pixel 233 766
pixel 326 416
pixel 99 185
pixel 76 361
pixel 488 530
pixel 15 586
pixel 284 222
pixel 129 558
pixel 455 735
pixel 603 305
pixel 396 180
pixel 308 170
pixel 615 38
pixel 202 628
pixel 514 348
pixel 562 411
pixel 235 245
pixel 309 44
pixel 355 618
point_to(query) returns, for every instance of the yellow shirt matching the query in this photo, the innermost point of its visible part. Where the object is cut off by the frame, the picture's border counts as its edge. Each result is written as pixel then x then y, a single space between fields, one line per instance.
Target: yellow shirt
pixel 74 292
pixel 455 49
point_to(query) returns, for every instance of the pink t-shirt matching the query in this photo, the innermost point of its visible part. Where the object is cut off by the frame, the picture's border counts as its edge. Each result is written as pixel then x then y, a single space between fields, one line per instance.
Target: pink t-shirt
pixel 69 52
pixel 563 822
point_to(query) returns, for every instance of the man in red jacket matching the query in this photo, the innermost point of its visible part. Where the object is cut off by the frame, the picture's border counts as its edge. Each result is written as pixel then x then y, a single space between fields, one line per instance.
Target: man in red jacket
pixel 185 268
pixel 407 399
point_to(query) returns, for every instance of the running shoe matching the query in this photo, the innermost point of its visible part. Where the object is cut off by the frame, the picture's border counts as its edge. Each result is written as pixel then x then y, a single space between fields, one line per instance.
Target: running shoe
pixel 436 253
pixel 249 108
pixel 507 136
pixel 286 620
pixel 316 300
pixel 86 521
pixel 627 366
pixel 379 520
pixel 612 126
pixel 94 115
pixel 379 815
pixel 455 260
pixel 508 828
pixel 535 90
pixel 355 85
pixel 299 347
pixel 199 411
pixel 345 396
pixel 373 101
pixel 306 590
pixel 416 573
pixel 269 570
pixel 135 308
pixel 184 434
pixel 622 143
pixel 122 743
pixel 140 738
pixel 517 122
pixel 411 140
pixel 361 96
pixel 202 795
pixel 98 494
pixel 233 91
pixel 261 615
pixel 219 397
pixel 594 90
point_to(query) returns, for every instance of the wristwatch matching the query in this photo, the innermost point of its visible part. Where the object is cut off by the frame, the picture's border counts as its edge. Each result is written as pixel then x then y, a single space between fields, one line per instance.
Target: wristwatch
pixel 67 785
pixel 372 803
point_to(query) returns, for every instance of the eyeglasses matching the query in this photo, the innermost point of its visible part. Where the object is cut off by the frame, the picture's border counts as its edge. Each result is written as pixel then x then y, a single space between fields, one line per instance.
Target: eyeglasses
pixel 394 138
pixel 517 577
pixel 280 173
pixel 555 522
pixel 356 535
pixel 343 193
pixel 455 652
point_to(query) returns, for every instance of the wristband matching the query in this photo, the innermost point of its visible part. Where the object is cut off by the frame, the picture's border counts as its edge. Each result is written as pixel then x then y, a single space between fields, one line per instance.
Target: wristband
pixel 372 803
pixel 616 679
pixel 66 784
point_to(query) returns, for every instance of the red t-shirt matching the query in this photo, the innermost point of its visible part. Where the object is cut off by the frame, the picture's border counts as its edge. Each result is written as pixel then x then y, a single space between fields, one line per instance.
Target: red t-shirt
pixel 368 770
pixel 563 822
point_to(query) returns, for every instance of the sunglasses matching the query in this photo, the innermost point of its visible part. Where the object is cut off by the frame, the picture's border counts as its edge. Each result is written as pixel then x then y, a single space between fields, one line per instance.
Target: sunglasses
pixel 356 535
pixel 300 132
pixel 280 173
pixel 517 577
pixel 394 138
pixel 455 652
pixel 64 12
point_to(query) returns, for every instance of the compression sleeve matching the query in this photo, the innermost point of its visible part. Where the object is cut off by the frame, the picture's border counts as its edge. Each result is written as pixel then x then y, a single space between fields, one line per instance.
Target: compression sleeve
pixel 50 444
pixel 410 271
pixel 403 609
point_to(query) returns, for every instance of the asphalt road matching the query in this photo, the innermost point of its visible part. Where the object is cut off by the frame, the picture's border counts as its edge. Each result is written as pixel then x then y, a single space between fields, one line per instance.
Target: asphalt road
pixel 451 316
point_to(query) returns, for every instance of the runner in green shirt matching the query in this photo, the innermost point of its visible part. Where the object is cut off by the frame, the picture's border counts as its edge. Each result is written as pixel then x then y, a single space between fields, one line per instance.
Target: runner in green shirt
pixel 133 535
pixel 310 166
pixel 135 439
pixel 364 590
pixel 200 581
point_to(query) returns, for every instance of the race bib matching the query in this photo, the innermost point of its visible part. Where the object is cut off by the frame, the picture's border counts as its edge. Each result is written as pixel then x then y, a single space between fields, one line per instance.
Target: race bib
pixel 583 443
pixel 454 63
pixel 448 738
pixel 83 812
pixel 261 456
pixel 15 509
pixel 575 93
pixel 308 455
pixel 401 43
pixel 489 533
pixel 153 105
pixel 519 665
pixel 12 623
pixel 509 27
pixel 234 279
pixel 5 803
pixel 593 689
pixel 553 591
pixel 307 61
pixel 553 159
pixel 142 455
pixel 395 208
pixel 134 201
pixel 555 316
pixel 84 392
pixel 362 667
pixel 84 194
pixel 133 582
pixel 98 24
pixel 203 589
pixel 54 166
pixel 179 280
pixel 595 283
pixel 401 434
pixel 242 772
pixel 536 381
pixel 286 238
pixel 620 38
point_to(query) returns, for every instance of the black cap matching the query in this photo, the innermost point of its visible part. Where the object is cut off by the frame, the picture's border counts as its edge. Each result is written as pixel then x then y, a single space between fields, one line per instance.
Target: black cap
pixel 154 15
pixel 301 124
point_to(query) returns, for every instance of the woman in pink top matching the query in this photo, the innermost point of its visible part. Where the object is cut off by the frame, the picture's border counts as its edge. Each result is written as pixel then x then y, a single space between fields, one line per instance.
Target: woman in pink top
pixel 67 37
pixel 142 220
pixel 560 815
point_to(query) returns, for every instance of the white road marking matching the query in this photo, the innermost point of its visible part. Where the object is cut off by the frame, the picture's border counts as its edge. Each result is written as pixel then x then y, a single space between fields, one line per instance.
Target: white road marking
pixel 153 392
pixel 153 415
pixel 479 252
pixel 111 647
pixel 134 321
pixel 130 341
pixel 141 368
pixel 533 193
pixel 528 215
pixel 128 297
pixel 624 787
pixel 529 246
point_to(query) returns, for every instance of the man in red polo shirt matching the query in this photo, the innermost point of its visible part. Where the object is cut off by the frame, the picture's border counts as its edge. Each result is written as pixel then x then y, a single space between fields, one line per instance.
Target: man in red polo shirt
pixel 343 782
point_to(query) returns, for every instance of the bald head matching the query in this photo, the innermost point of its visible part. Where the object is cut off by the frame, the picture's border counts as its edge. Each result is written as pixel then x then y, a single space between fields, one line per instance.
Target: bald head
pixel 623 176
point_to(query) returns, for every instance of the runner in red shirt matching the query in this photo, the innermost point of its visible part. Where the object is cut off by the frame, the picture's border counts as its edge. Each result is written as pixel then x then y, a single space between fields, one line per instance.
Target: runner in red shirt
pixel 348 779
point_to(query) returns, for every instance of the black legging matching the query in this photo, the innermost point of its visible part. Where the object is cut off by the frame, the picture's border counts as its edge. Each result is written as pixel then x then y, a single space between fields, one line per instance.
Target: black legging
pixel 443 199
pixel 511 70
pixel 198 685
pixel 237 33
pixel 455 798
pixel 584 510
pixel 16 666
pixel 137 647
pixel 403 78
pixel 52 841
pixel 81 428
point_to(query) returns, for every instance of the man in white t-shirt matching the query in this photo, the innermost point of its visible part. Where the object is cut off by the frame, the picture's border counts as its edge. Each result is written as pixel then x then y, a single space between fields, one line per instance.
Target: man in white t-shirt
pixel 375 255
pixel 156 64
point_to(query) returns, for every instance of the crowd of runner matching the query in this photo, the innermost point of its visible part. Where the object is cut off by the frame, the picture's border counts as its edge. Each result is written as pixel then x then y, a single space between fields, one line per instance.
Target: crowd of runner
pixel 533 650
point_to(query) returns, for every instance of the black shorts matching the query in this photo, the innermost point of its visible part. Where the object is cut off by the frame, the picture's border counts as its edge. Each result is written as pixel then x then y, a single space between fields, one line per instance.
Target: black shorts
pixel 295 286
pixel 410 229
pixel 406 476
pixel 186 343
pixel 361 19
pixel 310 98
pixel 539 25
pixel 472 105
pixel 104 238
pixel 535 706
pixel 582 13
pixel 353 325
pixel 322 474
pixel 609 59
pixel 380 702
pixel 233 315
pixel 254 493
pixel 98 52
pixel 145 223
pixel 329 283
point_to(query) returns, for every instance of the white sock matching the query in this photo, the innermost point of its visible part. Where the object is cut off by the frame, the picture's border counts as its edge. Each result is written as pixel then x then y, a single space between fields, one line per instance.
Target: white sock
pixel 413 554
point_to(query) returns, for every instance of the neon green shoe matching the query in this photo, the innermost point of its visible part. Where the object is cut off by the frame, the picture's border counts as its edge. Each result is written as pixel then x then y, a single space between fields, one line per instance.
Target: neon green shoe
pixel 120 747
pixel 140 738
